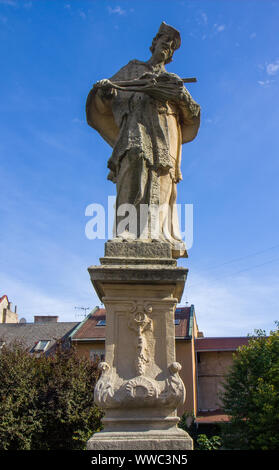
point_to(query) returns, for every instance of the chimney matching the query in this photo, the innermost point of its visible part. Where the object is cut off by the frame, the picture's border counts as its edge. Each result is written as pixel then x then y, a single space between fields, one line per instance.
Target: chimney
pixel 45 318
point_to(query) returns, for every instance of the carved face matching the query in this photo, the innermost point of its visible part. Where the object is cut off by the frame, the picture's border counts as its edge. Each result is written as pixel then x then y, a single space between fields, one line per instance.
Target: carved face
pixel 162 48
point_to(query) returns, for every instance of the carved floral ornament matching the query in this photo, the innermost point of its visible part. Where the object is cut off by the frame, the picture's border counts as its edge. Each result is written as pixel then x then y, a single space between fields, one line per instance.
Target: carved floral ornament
pixel 140 322
pixel 141 391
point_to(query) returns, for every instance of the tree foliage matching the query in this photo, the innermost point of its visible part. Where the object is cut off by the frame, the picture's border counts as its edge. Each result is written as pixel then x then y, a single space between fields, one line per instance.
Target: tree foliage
pixel 46 403
pixel 201 440
pixel 251 395
pixel 208 443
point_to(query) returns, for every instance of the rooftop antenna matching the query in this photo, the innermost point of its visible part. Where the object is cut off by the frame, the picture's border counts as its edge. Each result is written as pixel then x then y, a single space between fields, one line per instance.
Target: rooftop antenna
pixel 84 311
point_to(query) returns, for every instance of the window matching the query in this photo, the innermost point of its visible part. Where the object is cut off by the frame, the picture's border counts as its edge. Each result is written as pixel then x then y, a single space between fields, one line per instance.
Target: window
pixel 94 357
pixel 97 355
pixel 176 321
pixel 42 345
pixel 101 323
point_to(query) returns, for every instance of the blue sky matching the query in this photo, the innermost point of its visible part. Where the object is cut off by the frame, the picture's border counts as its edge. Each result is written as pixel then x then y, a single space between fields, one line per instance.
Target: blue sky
pixel 53 164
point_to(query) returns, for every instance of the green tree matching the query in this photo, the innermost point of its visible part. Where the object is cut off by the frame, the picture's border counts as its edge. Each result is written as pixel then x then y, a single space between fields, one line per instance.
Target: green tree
pixel 251 395
pixel 201 440
pixel 18 398
pixel 208 443
pixel 66 395
pixel 46 403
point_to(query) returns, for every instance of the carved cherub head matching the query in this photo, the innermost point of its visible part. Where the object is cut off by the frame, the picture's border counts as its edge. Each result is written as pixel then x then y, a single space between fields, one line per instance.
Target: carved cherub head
pixel 166 41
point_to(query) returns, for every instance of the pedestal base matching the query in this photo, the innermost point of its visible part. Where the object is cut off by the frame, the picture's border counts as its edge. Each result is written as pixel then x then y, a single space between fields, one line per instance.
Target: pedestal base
pixel 140 387
pixel 145 440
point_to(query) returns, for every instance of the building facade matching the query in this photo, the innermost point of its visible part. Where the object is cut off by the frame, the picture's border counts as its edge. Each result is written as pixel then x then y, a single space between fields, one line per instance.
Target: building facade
pixel 205 361
pixel 40 337
pixel 6 313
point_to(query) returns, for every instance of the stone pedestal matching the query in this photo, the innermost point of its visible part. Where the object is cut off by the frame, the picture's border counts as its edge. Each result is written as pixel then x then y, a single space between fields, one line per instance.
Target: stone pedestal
pixel 140 387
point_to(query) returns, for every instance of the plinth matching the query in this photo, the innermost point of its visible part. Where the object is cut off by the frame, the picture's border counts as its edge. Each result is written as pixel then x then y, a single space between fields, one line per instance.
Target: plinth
pixel 139 387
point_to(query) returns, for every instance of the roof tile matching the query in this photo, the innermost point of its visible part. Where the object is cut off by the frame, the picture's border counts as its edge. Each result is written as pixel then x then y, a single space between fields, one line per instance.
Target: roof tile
pixel 30 333
pixel 220 344
pixel 90 329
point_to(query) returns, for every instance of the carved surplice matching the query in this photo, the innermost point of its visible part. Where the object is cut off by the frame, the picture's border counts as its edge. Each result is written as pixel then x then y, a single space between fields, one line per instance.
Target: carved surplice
pixel 145 113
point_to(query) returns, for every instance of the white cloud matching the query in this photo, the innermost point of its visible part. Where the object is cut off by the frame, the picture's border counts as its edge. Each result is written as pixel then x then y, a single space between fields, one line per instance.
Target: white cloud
pixel 61 287
pixel 272 68
pixel 32 300
pixel 117 10
pixel 232 306
pixel 53 141
pixel 82 14
pixel 78 121
pixel 218 28
pixel 204 18
pixel 10 3
pixel 264 83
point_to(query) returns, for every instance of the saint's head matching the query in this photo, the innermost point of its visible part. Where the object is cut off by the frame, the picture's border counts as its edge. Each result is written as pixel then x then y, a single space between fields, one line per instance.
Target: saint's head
pixel 166 41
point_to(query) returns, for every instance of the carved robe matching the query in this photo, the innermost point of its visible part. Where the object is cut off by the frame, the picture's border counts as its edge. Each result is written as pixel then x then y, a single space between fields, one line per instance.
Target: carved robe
pixel 146 135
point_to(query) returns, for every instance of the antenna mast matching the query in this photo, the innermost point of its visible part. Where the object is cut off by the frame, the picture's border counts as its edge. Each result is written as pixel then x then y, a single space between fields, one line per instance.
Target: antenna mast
pixel 84 311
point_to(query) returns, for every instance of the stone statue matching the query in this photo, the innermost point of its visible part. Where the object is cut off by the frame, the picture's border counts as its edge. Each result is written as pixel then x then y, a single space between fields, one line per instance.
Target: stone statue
pixel 145 113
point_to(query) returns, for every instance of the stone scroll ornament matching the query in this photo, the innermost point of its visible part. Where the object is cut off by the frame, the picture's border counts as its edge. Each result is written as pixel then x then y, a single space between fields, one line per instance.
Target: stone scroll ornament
pixel 140 322
pixel 130 393
pixel 145 113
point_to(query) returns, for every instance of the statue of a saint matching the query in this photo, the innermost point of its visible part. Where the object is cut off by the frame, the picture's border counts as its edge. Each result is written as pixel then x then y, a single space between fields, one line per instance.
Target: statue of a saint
pixel 145 113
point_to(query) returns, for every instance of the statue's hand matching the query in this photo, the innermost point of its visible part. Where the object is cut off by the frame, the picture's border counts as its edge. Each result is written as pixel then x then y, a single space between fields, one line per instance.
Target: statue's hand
pixel 148 76
pixel 190 104
pixel 105 89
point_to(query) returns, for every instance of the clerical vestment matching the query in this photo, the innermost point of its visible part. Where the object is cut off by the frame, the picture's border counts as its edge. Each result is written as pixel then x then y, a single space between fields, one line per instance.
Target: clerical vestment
pixel 138 121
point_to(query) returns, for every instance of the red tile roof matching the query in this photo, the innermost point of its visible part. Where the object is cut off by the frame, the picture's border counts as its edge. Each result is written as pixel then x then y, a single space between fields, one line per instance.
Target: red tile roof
pixel 216 416
pixel 2 298
pixel 220 344
pixel 89 329
pixel 183 315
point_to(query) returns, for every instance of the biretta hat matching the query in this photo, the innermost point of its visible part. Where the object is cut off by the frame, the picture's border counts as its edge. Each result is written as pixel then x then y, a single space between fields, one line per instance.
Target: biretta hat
pixel 170 31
